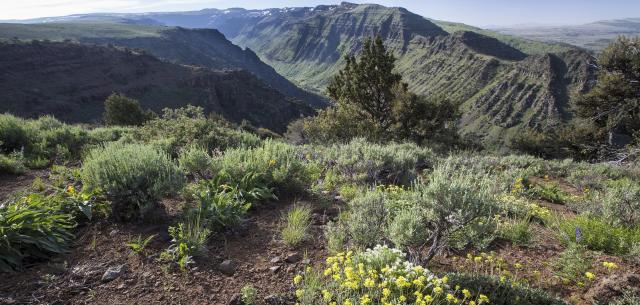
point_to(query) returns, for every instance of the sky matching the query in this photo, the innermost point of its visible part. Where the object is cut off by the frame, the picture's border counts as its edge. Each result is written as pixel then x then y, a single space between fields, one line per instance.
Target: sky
pixel 473 12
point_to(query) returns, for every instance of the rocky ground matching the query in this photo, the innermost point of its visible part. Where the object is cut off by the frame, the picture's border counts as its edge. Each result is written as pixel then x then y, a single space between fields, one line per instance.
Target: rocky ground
pixel 102 269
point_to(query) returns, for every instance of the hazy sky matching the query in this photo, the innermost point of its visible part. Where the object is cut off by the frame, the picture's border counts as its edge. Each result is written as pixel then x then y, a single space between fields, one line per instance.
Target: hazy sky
pixel 474 12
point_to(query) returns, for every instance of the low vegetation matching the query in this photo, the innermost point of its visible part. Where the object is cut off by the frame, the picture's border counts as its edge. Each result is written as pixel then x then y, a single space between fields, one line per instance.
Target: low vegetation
pixel 405 222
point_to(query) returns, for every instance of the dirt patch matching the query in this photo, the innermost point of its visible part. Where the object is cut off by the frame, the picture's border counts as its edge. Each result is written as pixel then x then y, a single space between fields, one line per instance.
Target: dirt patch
pixel 10 184
pixel 76 278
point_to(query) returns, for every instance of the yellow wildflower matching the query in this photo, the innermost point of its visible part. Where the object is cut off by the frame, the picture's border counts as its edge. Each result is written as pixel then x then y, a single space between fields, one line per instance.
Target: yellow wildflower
pixel 297 279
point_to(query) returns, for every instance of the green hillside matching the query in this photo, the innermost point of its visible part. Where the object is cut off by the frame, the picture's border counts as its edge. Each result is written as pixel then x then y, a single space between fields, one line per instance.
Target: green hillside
pixel 503 88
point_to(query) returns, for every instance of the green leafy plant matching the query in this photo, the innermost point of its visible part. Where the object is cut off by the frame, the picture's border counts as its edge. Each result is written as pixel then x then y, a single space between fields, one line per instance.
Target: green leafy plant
pixel 189 240
pixel 33 227
pixel 517 231
pixel 598 235
pixel 139 245
pixel 573 263
pixel 296 224
pixel 222 207
pixel 279 166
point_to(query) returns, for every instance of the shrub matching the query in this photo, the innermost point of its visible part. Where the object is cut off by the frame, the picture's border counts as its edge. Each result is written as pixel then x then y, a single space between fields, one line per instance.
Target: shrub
pixel 408 228
pixel 33 227
pixel 366 221
pixel 12 164
pixel 279 164
pixel 503 292
pixel 184 127
pixel 378 276
pixel 134 176
pixel 363 162
pixel 14 134
pixel 123 111
pixel 452 200
pixel 195 160
pixel 336 236
pixel 629 297
pixel 619 203
pixel 296 224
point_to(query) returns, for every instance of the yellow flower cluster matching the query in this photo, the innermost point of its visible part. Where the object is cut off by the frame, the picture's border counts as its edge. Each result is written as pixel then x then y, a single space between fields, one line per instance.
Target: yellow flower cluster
pixel 378 276
pixel 610 266
pixel 518 187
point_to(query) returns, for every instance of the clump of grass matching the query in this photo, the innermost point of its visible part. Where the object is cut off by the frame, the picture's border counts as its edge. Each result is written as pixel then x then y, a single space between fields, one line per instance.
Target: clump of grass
pixel 297 222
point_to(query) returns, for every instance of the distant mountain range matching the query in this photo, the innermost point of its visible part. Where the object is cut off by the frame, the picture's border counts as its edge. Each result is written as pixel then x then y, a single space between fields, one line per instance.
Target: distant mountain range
pixel 592 36
pixel 503 83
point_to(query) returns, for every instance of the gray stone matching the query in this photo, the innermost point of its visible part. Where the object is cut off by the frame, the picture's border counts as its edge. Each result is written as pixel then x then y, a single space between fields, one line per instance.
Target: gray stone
pixel 275 260
pixel 228 267
pixel 293 258
pixel 236 299
pixel 113 273
pixel 274 269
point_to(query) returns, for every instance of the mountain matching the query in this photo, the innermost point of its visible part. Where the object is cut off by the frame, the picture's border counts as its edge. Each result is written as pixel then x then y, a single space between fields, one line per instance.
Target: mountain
pixel 199 47
pixel 71 81
pixel 592 36
pixel 503 88
pixel 504 84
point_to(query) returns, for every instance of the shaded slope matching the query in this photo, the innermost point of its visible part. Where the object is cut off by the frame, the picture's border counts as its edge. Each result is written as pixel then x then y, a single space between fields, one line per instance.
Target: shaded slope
pixel 201 47
pixel 71 81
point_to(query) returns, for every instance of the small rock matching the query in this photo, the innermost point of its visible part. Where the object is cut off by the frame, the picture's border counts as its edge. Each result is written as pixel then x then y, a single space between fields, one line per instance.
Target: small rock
pixel 274 269
pixel 122 286
pixel 236 299
pixel 306 261
pixel 228 267
pixel 293 258
pixel 113 233
pixel 275 260
pixel 113 273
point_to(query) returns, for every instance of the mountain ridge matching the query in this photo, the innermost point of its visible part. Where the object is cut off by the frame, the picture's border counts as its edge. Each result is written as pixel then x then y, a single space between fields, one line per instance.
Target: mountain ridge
pixel 71 81
pixel 501 88
pixel 202 47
